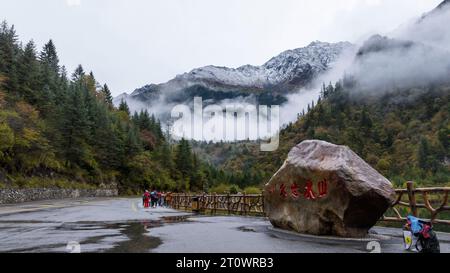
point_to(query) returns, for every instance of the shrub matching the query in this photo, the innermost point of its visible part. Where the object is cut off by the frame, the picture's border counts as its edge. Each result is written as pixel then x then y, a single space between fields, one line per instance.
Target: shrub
pixel 253 190
pixel 221 188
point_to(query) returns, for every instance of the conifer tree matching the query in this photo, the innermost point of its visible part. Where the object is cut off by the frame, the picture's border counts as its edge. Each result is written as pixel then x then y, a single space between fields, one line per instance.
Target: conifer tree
pixel 49 58
pixel 9 50
pixel 108 99
pixel 28 74
pixel 183 159
pixel 123 106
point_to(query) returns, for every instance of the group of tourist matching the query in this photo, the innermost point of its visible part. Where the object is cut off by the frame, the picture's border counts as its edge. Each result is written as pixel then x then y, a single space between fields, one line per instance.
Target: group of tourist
pixel 155 199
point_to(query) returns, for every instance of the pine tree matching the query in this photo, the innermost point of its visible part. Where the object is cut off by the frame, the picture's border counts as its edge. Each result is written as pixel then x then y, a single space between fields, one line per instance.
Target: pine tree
pixel 49 58
pixel 108 99
pixel 75 128
pixel 166 157
pixel 49 76
pixel 9 50
pixel 63 80
pixel 91 83
pixel 28 74
pixel 123 106
pixel 46 101
pixel 183 159
pixel 132 142
pixel 78 74
pixel 106 141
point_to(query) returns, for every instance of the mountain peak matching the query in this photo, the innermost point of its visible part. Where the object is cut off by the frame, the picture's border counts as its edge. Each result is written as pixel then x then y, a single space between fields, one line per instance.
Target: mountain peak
pixel 294 66
pixel 378 43
pixel 444 4
pixel 317 43
pixel 442 7
pixel 270 82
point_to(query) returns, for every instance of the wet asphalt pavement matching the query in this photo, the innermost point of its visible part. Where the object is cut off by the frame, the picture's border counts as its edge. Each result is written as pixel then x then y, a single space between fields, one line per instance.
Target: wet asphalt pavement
pixel 122 225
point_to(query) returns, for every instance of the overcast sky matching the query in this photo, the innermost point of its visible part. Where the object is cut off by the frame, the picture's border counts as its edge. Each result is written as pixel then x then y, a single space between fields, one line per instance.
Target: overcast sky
pixel 130 43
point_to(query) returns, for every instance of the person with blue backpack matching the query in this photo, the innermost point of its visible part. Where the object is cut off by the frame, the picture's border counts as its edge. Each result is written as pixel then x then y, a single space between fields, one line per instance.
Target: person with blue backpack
pixel 427 241
pixel 154 198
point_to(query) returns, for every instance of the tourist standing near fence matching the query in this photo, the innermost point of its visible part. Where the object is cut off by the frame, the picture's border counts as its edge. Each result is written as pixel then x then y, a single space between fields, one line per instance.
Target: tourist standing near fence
pixel 168 199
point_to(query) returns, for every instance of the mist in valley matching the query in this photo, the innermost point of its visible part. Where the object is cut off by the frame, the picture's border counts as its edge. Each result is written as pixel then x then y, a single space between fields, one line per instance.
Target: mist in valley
pixel 413 55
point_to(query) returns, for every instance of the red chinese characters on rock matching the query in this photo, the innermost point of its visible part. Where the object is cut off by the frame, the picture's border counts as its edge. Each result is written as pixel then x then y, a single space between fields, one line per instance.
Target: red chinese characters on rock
pixel 283 192
pixel 272 189
pixel 294 191
pixel 309 194
pixel 323 188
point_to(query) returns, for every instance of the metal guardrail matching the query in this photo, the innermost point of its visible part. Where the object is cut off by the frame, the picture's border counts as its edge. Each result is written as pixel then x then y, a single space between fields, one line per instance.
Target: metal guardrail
pixel 418 202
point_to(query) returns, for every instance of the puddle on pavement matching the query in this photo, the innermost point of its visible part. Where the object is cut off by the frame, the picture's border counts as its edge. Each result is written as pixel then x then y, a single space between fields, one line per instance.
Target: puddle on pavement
pixel 175 219
pixel 36 249
pixel 138 241
pixel 138 233
pixel 247 229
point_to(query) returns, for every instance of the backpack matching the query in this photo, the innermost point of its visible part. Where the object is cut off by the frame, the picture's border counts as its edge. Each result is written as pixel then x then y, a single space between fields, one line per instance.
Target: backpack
pixel 428 240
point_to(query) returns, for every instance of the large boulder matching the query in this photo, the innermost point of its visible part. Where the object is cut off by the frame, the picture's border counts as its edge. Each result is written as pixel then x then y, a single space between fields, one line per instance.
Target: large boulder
pixel 326 189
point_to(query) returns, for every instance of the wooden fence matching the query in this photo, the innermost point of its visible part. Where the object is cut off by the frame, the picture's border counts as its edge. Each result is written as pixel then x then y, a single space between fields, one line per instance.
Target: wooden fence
pixel 427 203
pixel 242 204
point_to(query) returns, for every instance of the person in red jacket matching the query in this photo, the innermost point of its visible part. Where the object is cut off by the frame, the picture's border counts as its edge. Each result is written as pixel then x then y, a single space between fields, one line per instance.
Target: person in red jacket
pixel 146 199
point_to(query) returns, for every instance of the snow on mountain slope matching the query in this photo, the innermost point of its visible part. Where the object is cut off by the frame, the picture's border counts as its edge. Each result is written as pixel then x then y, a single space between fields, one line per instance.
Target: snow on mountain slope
pixel 292 66
pixel 269 83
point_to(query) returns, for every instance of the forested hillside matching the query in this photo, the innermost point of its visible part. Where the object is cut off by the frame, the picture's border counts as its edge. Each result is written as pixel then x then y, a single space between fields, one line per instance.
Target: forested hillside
pixel 61 130
pixel 404 134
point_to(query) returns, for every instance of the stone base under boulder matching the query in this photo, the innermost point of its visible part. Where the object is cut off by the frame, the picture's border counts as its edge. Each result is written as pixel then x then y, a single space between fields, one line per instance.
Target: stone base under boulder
pixel 326 189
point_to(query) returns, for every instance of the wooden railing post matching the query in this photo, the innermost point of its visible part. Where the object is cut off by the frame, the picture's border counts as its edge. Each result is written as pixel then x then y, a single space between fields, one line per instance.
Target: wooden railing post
pixel 262 204
pixel 228 203
pixel 203 202
pixel 244 208
pixel 412 197
pixel 214 211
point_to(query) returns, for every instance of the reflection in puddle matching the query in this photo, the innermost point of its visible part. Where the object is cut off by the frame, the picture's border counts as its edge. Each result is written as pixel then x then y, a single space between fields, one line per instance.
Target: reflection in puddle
pixel 175 219
pixel 116 237
pixel 137 232
pixel 247 229
pixel 138 241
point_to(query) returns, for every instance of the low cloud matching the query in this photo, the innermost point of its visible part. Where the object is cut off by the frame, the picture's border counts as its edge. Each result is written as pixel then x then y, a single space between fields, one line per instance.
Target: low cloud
pixel 73 3
pixel 415 55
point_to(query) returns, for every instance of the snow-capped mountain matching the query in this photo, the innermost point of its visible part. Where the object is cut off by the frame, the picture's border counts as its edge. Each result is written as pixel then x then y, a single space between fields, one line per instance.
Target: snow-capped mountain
pixel 291 67
pixel 442 6
pixel 281 75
